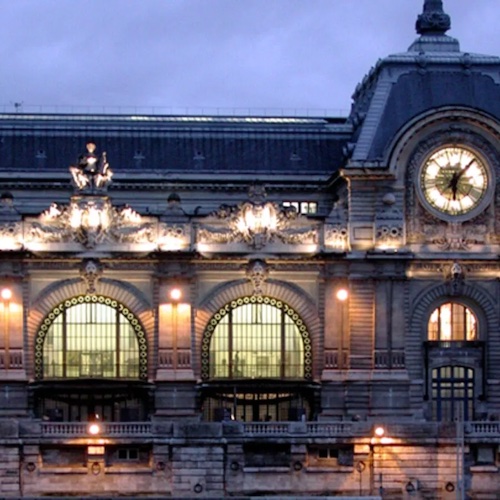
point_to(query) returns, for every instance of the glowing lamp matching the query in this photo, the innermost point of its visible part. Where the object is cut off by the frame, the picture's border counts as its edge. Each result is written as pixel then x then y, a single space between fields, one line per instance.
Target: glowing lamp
pixel 6 293
pixel 175 294
pixel 342 294
pixel 94 429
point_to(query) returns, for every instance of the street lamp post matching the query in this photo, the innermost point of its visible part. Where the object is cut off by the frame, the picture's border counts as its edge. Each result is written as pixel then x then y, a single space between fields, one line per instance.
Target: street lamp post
pixel 342 296
pixel 378 438
pixel 460 455
pixel 175 296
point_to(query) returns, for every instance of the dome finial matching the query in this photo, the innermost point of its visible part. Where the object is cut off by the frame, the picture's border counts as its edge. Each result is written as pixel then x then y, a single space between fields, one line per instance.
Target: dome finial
pixel 433 20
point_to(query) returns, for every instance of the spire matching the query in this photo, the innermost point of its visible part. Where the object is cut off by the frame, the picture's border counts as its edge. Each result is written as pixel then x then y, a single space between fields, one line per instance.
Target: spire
pixel 433 20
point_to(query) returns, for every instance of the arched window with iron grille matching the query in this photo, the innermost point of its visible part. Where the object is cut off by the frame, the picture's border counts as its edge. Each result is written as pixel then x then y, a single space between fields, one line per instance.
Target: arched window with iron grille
pixel 90 336
pixel 256 363
pixel 256 337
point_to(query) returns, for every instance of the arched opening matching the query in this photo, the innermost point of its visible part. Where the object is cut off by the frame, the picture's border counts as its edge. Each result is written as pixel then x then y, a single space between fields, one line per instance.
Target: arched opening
pixel 452 350
pixel 452 322
pixel 256 363
pixel 91 359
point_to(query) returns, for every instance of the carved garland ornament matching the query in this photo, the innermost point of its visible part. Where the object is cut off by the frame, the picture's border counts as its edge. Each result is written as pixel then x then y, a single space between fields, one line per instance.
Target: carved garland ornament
pixel 90 221
pixel 257 224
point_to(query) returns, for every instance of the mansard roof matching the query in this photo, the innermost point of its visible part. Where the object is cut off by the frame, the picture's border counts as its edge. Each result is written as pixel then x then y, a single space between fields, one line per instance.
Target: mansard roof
pixel 163 144
pixel 432 74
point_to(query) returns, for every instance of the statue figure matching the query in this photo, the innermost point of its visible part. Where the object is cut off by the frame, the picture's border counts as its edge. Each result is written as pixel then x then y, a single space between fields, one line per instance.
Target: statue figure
pixel 91 171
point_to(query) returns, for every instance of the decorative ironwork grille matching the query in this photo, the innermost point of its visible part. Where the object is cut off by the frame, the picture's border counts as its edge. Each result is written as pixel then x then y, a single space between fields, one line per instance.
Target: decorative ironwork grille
pixel 90 336
pixel 256 337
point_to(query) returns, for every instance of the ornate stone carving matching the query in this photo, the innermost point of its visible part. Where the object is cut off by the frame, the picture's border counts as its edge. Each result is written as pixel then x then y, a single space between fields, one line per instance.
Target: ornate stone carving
pixel 336 227
pixel 257 223
pixel 92 172
pixel 455 235
pixel 455 278
pixel 90 221
pixel 91 271
pixel 336 236
pixel 173 236
pixel 257 272
pixel 389 225
pixel 433 20
pixel 11 236
pixel 438 269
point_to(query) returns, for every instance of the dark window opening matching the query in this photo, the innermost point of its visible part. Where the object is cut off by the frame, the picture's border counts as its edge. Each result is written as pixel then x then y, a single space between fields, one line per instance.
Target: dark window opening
pixel 453 393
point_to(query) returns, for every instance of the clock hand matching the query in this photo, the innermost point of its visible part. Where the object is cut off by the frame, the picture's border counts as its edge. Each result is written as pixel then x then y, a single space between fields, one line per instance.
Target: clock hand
pixel 453 184
pixel 462 172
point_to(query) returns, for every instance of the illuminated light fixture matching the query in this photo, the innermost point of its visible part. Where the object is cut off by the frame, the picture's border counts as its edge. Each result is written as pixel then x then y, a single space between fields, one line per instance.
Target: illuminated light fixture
pixel 96 450
pixel 9 243
pixel 6 293
pixel 342 294
pixel 257 222
pixel 175 294
pixel 379 431
pixel 171 243
pixel 94 429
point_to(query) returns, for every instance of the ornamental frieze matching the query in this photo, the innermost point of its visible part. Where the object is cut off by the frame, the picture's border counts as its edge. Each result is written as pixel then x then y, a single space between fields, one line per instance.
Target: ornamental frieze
pixel 337 228
pixel 389 225
pixel 11 236
pixel 89 221
pixel 447 271
pixel 257 224
pixel 455 235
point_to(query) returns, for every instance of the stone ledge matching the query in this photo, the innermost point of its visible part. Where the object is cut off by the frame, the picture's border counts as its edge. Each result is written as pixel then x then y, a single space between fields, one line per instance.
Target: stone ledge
pixel 64 470
pixel 127 470
pixel 266 469
pixel 484 468
pixel 342 468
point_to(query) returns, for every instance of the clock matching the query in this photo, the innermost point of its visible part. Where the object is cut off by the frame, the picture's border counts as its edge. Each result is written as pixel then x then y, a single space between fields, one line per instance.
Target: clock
pixel 454 181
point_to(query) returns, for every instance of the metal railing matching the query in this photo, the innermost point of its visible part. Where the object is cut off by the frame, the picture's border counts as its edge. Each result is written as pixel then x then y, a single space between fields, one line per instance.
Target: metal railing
pixel 22 108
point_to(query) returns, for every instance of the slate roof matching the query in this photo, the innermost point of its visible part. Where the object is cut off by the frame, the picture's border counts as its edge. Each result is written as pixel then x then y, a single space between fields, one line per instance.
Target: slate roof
pixel 417 92
pixel 155 144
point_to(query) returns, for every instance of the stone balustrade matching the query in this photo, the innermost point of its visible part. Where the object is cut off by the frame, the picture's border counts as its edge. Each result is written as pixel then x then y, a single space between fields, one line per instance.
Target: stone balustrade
pixel 476 431
pixel 174 359
pixel 74 429
pixel 12 359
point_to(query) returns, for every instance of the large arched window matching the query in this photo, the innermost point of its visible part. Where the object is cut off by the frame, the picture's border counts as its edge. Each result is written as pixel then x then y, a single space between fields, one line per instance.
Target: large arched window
pixel 92 337
pixel 256 337
pixel 452 322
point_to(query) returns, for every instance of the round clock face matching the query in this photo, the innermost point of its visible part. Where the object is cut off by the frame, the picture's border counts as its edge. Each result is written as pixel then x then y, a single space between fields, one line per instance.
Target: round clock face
pixel 454 180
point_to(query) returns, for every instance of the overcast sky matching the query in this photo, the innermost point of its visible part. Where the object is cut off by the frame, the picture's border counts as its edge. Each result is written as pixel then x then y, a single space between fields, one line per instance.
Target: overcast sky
pixel 278 55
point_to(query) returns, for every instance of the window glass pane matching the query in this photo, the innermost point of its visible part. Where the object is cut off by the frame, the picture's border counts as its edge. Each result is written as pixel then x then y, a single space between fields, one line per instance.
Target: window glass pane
pixel 91 340
pixel 256 340
pixel 452 322
pixel 453 393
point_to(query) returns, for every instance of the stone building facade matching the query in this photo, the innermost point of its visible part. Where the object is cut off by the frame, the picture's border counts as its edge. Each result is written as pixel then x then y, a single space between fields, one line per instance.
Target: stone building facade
pixel 238 306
